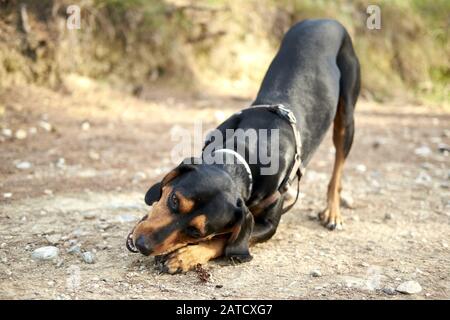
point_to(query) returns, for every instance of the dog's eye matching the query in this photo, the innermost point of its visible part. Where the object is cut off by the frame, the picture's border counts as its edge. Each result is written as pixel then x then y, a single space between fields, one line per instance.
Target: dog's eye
pixel 193 232
pixel 173 202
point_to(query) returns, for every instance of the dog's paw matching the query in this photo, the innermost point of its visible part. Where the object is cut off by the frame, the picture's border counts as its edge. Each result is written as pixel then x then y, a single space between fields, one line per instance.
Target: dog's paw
pixel 184 260
pixel 331 219
pixel 241 258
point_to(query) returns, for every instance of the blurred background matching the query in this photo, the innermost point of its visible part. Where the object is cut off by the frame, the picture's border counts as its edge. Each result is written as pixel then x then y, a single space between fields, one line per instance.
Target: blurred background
pixel 218 44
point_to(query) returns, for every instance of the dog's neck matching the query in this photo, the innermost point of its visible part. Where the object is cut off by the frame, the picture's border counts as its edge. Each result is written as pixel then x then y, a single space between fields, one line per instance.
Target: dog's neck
pixel 239 173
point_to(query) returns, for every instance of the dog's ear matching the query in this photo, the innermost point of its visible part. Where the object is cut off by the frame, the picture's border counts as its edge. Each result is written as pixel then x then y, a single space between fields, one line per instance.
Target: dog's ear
pixel 238 244
pixel 154 193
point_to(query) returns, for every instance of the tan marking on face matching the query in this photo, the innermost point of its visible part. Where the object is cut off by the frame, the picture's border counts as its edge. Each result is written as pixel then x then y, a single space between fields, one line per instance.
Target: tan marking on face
pixel 185 205
pixel 199 222
pixel 159 218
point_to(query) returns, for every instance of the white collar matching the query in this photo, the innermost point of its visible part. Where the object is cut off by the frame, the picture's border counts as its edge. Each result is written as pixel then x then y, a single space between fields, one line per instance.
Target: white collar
pixel 242 160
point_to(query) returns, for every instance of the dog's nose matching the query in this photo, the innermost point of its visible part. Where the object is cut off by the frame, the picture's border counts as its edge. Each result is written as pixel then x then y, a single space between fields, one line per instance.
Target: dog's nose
pixel 143 245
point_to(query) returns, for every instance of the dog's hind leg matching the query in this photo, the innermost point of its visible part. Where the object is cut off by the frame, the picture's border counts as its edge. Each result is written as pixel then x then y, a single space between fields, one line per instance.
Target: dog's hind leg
pixel 343 130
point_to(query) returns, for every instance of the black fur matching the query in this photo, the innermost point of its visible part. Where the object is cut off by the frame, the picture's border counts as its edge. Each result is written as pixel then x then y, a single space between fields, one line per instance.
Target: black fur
pixel 314 69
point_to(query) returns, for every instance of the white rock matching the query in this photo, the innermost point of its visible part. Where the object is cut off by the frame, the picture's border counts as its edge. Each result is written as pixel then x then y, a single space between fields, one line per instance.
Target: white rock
pixel 7 195
pixel 85 126
pixel 316 273
pixel 75 249
pixel 422 151
pixel 46 126
pixel 125 218
pixel 23 165
pixel 94 155
pixel 220 116
pixel 21 134
pixel 7 132
pixel 45 253
pixel 61 163
pixel 409 287
pixel 88 257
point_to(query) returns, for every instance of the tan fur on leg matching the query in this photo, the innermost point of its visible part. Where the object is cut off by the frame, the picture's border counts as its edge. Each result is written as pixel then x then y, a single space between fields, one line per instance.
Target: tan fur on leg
pixel 331 216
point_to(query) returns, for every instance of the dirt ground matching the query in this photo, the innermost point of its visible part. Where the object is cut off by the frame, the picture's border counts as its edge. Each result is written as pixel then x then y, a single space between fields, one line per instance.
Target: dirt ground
pixel 78 162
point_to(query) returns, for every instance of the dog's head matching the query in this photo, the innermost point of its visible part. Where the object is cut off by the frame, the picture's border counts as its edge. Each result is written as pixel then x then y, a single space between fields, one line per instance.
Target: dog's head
pixel 193 203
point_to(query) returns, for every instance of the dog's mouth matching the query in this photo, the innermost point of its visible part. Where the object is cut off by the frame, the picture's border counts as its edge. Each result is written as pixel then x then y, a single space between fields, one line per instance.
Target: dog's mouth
pixel 132 247
pixel 130 243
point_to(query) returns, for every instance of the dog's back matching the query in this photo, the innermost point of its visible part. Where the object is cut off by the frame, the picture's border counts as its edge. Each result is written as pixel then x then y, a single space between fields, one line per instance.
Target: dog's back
pixel 306 74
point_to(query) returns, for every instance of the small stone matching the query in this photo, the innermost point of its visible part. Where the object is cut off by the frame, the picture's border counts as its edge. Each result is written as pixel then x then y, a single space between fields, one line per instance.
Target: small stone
pixel 422 151
pixel 126 218
pixel 88 257
pixel 361 168
pixel 3 245
pixel 46 126
pixel 313 216
pixel 315 273
pixel 423 178
pixel 94 155
pixel 89 215
pixel 45 253
pixel 53 238
pixel 48 192
pixel 7 195
pixel 61 163
pixel 409 287
pixel 347 200
pixel 139 176
pixel 75 249
pixel 7 132
pixel 364 264
pixel 389 291
pixel 388 216
pixel 21 134
pixel 85 126
pixel 220 116
pixel 59 263
pixel 23 165
pixel 442 147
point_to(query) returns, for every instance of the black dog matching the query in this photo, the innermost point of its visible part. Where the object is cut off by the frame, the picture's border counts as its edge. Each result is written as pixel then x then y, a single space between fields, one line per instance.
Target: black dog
pixel 203 211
